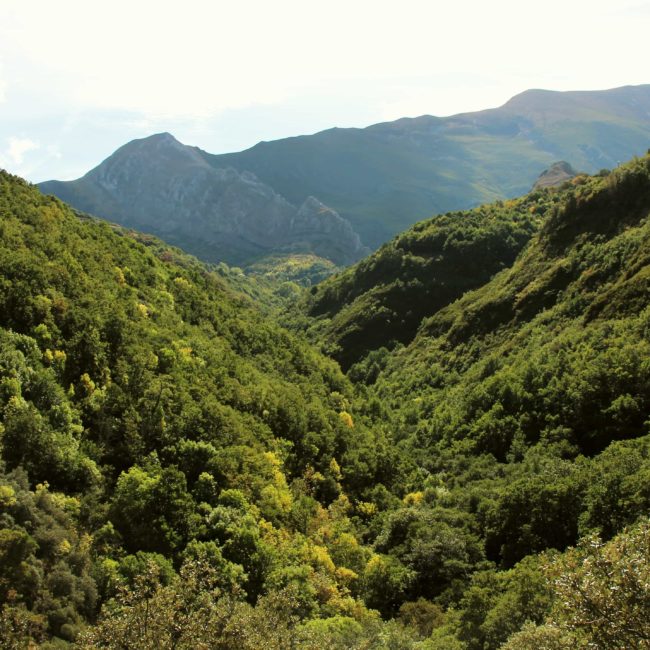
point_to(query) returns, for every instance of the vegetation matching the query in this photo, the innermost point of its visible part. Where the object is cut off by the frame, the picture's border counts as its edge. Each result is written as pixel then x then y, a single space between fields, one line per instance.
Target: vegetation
pixel 167 418
pixel 382 300
pixel 302 269
pixel 178 470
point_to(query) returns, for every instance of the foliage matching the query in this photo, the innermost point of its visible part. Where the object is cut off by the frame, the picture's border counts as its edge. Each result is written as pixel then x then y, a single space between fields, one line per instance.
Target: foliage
pixel 383 299
pixel 603 590
pixel 170 418
pixel 178 469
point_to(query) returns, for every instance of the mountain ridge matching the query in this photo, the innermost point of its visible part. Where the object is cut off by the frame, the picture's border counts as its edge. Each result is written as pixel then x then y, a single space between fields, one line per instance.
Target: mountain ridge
pixel 388 175
pixel 158 185
pixel 382 178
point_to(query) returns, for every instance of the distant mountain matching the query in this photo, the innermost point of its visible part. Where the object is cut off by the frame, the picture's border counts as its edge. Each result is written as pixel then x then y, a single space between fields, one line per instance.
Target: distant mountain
pixel 385 177
pixel 555 175
pixel 161 186
pixel 377 181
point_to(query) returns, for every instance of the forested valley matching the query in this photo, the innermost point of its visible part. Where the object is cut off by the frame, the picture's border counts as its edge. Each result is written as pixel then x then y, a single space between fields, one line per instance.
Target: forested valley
pixel 443 447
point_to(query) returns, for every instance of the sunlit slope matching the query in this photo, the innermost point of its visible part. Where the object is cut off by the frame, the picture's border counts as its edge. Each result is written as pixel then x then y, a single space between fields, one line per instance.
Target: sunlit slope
pixel 554 349
pixel 386 177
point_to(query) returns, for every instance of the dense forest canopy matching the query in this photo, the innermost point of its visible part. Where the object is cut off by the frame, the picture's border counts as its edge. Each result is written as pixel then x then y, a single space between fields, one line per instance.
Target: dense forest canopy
pixel 178 469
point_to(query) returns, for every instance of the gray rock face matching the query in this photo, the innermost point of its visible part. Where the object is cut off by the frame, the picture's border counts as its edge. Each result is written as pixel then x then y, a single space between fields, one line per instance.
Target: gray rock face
pixel 327 232
pixel 161 186
pixel 555 175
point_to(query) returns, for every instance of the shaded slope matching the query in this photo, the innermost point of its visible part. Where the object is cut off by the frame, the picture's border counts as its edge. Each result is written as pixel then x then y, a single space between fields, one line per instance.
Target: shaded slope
pixel 525 405
pixel 383 299
pixel 553 350
pixel 161 186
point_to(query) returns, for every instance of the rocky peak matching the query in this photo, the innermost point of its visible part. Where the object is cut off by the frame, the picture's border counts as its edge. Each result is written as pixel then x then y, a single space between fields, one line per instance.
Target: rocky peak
pixel 159 185
pixel 145 161
pixel 555 175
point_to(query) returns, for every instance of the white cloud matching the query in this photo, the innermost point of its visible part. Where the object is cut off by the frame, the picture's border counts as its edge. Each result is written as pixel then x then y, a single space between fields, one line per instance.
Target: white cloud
pixel 12 157
pixel 53 152
pixel 18 147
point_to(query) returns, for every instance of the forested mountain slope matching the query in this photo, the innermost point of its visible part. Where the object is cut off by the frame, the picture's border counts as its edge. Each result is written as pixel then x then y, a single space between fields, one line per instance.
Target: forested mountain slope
pixel 150 413
pixel 179 471
pixel 537 371
pixel 382 300
pixel 565 324
pixel 525 405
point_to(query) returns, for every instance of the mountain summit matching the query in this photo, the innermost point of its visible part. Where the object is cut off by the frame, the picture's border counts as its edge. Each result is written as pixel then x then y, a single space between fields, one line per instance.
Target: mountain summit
pixel 387 176
pixel 161 186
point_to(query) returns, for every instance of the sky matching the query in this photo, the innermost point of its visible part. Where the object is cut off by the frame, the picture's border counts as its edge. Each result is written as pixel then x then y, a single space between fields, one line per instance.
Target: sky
pixel 79 78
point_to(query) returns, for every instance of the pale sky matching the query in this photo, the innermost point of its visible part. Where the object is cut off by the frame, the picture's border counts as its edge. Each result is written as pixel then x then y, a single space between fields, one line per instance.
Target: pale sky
pixel 79 78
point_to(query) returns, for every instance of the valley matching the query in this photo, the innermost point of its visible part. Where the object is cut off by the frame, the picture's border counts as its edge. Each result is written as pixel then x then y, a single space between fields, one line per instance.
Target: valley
pixel 444 445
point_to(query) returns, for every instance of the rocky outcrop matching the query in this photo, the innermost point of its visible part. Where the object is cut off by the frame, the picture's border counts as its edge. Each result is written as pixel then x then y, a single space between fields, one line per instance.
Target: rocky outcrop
pixel 328 234
pixel 161 186
pixel 555 175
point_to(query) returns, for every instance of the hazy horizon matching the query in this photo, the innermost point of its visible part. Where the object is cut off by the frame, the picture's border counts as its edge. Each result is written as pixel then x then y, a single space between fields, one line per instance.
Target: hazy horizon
pixel 77 82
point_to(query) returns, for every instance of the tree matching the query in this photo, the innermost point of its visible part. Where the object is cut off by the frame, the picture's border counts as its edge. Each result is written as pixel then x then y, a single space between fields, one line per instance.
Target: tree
pixel 603 590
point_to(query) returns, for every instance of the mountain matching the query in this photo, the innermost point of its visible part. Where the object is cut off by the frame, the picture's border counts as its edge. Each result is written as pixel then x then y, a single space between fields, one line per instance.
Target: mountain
pixel 241 207
pixel 383 299
pixel 551 349
pixel 386 177
pixel 179 470
pixel 555 175
pixel 139 393
pixel 161 186
pixel 525 405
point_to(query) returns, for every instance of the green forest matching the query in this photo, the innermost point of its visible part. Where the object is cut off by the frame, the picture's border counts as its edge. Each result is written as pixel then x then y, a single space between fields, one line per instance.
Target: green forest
pixel 443 447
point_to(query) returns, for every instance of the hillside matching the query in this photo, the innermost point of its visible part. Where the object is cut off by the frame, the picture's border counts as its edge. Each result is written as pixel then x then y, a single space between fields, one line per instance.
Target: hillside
pixel 382 300
pixel 177 470
pixel 150 413
pixel 525 406
pixel 388 176
pixel 546 361
pixel 163 187
pixel 338 191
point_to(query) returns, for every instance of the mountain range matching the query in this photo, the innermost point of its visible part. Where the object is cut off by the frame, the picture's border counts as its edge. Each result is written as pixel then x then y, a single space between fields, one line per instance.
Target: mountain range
pixel 180 468
pixel 335 192
pixel 385 177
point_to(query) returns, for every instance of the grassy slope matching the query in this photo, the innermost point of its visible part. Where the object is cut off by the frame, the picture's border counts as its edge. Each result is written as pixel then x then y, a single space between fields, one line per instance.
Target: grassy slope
pixel 383 299
pixel 385 177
